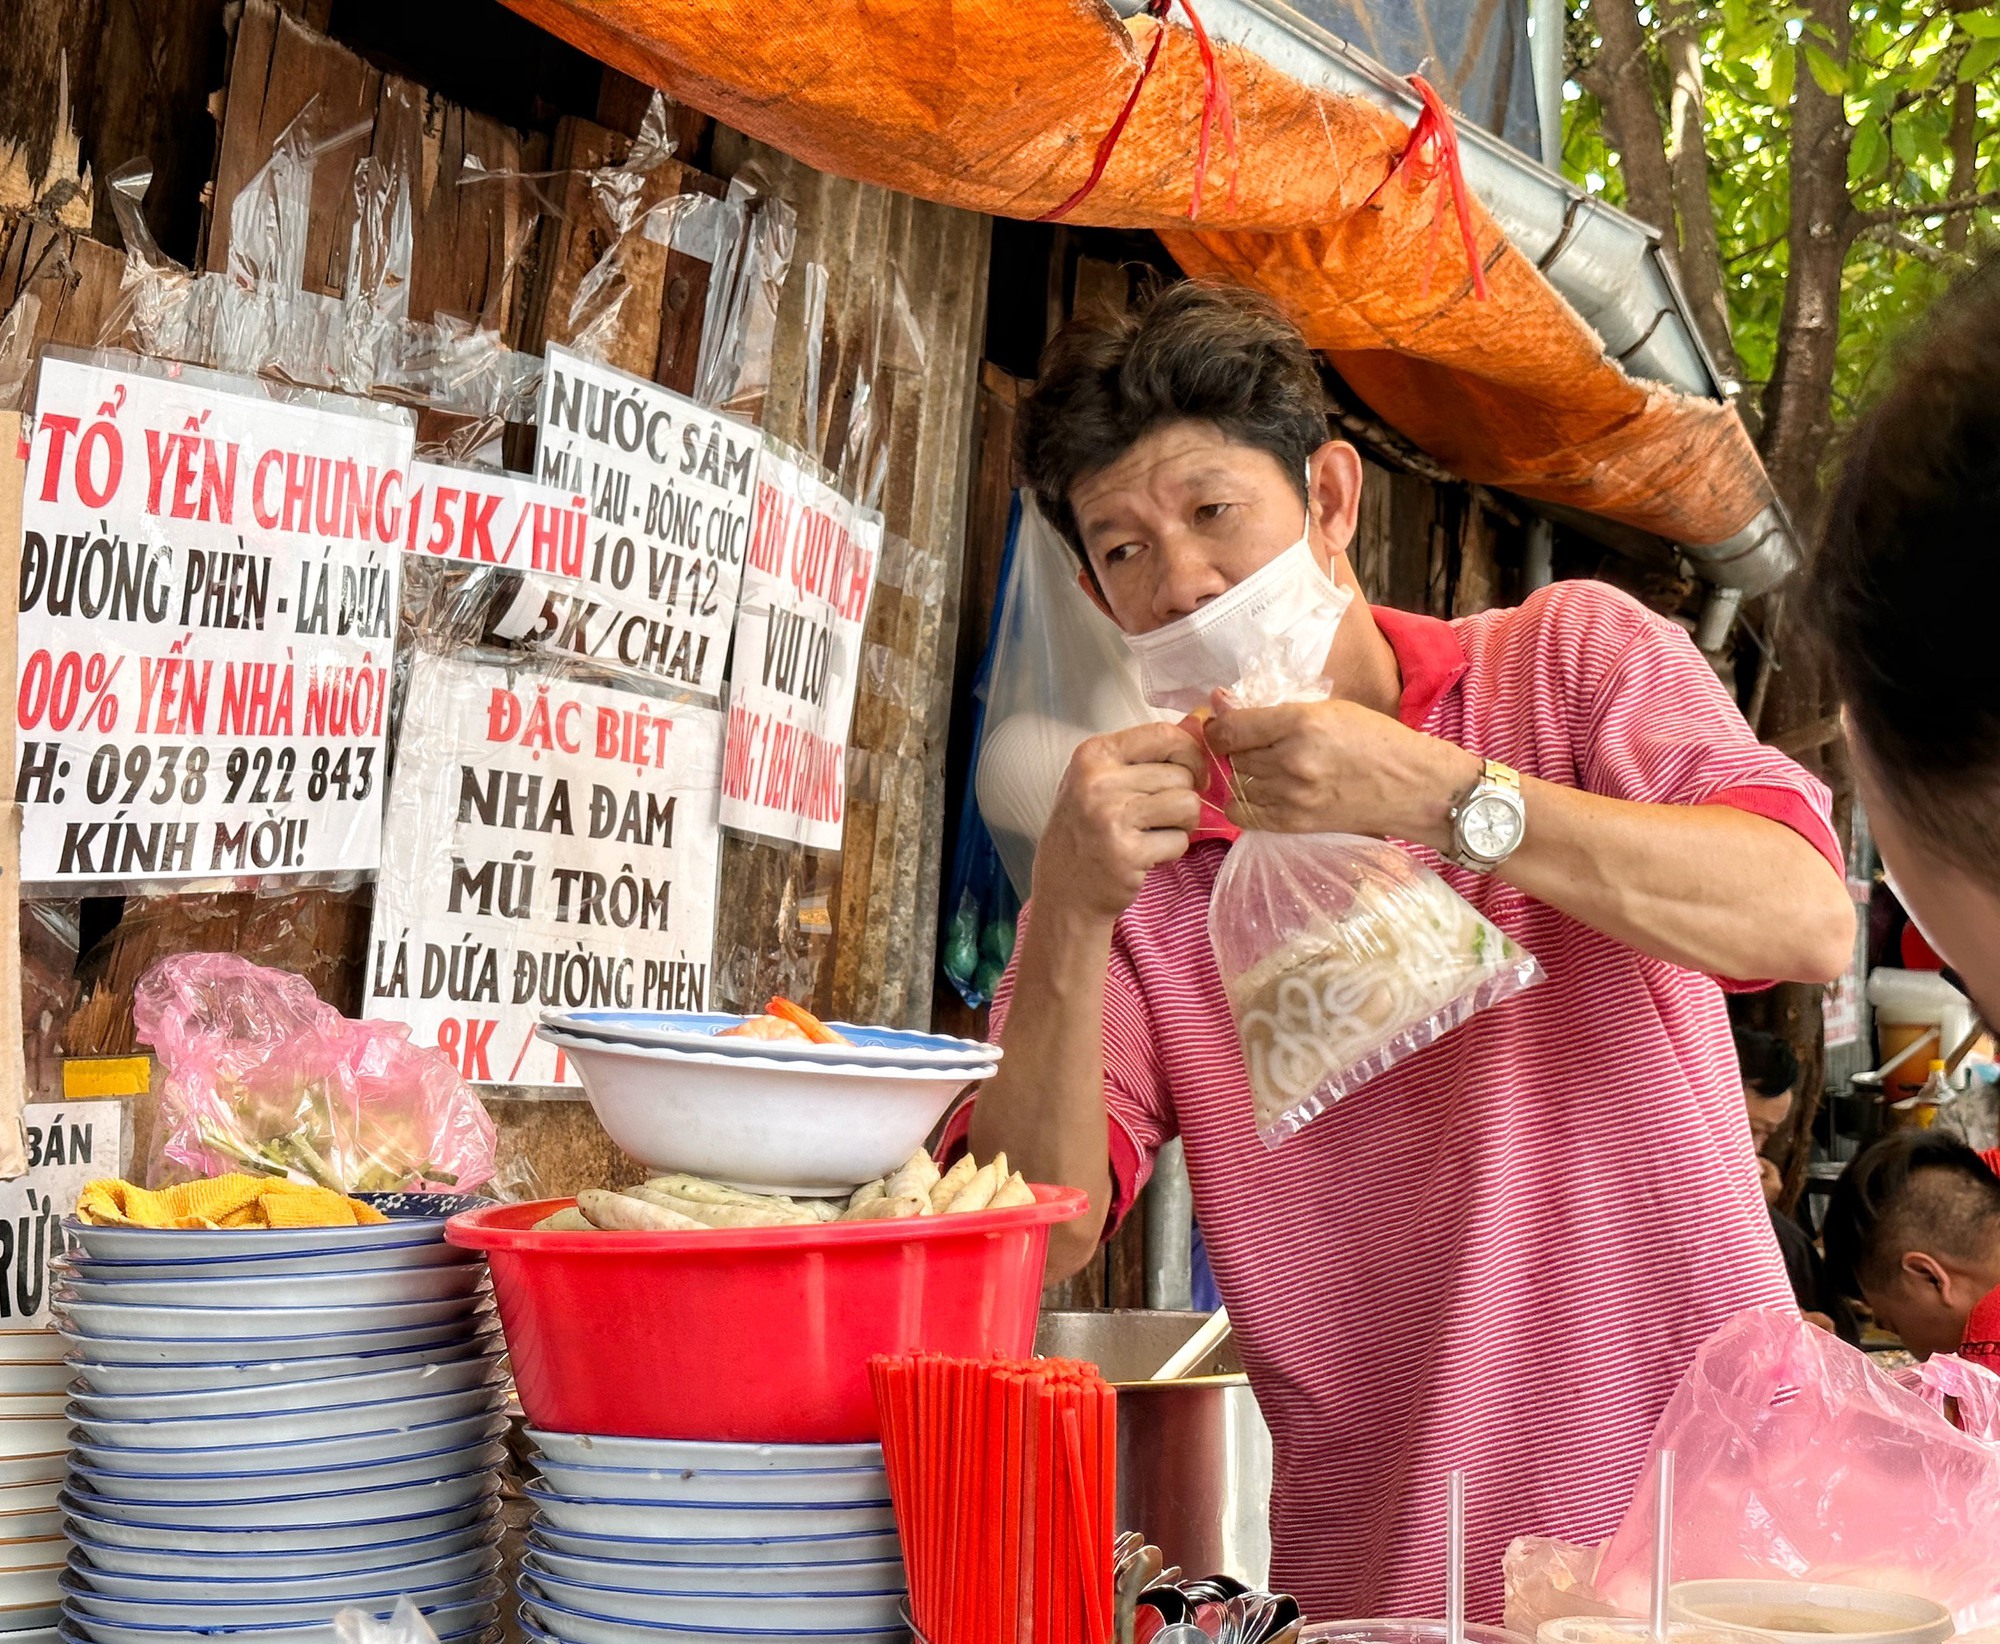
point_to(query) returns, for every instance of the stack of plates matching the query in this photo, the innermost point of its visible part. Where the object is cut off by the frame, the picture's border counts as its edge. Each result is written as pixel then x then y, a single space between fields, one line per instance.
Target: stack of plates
pixel 655 1541
pixel 271 1426
pixel 34 1444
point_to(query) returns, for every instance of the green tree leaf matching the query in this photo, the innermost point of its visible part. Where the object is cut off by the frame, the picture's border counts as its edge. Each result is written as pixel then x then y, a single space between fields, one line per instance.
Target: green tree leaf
pixel 1830 76
pixel 1981 58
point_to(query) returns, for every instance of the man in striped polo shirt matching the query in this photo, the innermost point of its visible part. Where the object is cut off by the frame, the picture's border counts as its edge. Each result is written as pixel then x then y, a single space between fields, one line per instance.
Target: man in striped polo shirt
pixel 1501 1254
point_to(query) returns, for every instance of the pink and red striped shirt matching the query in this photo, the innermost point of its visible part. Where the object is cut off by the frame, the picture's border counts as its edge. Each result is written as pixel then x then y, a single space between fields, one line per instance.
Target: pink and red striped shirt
pixel 1502 1254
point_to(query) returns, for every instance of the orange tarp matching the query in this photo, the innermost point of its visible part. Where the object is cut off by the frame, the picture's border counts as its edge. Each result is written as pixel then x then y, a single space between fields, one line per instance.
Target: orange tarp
pixel 998 106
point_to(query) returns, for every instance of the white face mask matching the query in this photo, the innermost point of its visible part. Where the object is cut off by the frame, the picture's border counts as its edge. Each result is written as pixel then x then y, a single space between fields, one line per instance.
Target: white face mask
pixel 1264 641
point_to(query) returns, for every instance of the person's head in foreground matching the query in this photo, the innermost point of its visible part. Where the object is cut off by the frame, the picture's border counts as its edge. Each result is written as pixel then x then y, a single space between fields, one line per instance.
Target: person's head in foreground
pixel 1770 1072
pixel 1913 1229
pixel 1903 593
pixel 1182 447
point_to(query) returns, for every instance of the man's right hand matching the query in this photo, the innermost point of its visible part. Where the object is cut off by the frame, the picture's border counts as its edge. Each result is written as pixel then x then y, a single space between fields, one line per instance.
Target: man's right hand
pixel 1127 803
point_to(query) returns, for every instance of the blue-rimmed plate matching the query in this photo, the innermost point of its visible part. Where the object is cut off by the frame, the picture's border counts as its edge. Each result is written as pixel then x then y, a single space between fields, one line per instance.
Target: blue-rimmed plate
pixel 715 1580
pixel 476 1506
pixel 700 1456
pixel 186 1244
pixel 241 1365
pixel 139 1321
pixel 692 1031
pixel 330 1516
pixel 186 1561
pixel 544 1620
pixel 775 1612
pixel 285 1290
pixel 861 1486
pixel 849 1547
pixel 238 1435
pixel 706 1521
pixel 249 1403
pixel 411 1466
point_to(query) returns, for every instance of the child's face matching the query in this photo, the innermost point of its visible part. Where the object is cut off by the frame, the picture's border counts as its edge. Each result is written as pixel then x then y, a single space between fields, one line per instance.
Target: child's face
pixel 1926 1303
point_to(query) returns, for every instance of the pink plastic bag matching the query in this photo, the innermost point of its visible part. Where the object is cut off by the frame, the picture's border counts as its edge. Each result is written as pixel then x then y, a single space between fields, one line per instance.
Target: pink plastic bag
pixel 264 1077
pixel 1796 1459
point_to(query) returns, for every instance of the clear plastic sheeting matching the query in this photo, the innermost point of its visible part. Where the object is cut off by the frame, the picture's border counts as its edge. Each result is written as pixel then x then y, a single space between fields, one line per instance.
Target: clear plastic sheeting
pixel 256 318
pixel 754 234
pixel 406 1625
pixel 1797 1460
pixel 1060 673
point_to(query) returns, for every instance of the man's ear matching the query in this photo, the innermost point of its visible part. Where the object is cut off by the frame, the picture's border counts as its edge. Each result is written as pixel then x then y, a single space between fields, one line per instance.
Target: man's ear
pixel 1334 494
pixel 1927 1271
pixel 1086 579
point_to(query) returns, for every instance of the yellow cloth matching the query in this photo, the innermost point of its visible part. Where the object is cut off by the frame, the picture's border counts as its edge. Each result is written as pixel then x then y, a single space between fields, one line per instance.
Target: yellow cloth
pixel 223 1201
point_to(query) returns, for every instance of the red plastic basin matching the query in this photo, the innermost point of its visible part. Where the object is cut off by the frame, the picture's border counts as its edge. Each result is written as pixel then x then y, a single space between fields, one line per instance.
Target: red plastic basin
pixel 754 1335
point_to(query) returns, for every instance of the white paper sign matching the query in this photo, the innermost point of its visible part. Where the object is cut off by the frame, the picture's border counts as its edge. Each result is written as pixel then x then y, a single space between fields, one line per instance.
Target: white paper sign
pixel 549 845
pixel 474 516
pixel 811 570
pixel 69 1144
pixel 208 607
pixel 670 488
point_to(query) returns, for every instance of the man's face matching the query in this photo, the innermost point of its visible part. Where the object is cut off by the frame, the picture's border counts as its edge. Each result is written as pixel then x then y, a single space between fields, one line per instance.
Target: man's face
pixel 1958 913
pixel 1767 1114
pixel 1924 1303
pixel 1186 514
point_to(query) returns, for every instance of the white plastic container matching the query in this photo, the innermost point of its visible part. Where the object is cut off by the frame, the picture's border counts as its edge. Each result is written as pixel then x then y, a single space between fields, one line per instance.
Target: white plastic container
pixel 1808 1612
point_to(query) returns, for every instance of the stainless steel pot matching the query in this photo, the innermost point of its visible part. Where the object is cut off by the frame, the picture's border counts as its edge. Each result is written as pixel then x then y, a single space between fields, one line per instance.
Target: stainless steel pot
pixel 1194 1456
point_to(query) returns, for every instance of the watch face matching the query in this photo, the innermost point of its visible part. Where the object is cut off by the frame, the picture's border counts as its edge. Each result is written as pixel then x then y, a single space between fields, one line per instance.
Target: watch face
pixel 1490 827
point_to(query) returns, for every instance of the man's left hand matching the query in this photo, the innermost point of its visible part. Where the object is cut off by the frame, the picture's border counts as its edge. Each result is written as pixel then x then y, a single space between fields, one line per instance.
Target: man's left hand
pixel 1337 767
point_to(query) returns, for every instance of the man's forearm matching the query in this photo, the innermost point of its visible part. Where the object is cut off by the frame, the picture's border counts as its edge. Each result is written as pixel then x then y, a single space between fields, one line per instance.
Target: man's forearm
pixel 1045 1107
pixel 1710 887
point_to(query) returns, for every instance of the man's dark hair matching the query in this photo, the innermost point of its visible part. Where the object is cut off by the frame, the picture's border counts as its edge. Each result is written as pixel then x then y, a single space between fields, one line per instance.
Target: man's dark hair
pixel 1912 1190
pixel 1212 353
pixel 1769 1065
pixel 1905 583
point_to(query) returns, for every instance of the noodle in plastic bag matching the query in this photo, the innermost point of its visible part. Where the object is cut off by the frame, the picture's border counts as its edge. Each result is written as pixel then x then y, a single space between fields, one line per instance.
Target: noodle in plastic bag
pixel 1339 954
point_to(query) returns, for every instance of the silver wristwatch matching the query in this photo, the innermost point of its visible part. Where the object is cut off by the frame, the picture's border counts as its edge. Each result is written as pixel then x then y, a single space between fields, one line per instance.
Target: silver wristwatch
pixel 1488 824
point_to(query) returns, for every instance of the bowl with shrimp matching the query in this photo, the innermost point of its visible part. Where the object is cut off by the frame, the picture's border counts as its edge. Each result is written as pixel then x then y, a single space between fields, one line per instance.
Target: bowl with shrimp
pixel 765 1122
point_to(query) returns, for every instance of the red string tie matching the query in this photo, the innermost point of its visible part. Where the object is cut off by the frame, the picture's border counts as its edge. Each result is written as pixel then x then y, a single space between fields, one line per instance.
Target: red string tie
pixel 1431 150
pixel 1216 109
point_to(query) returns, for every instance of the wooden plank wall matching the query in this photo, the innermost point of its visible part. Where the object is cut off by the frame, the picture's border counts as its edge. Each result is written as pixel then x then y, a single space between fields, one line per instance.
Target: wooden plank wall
pixel 882 897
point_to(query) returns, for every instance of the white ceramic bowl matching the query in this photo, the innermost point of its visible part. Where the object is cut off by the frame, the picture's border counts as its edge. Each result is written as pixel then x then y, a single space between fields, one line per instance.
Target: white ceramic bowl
pixel 35 1584
pixel 182 1244
pixel 38 1497
pixel 331 1516
pixel 767 1612
pixel 689 1455
pixel 51 1403
pixel 37 1380
pixel 363 1539
pixel 551 1623
pixel 844 1548
pixel 717 1580
pixel 662 1521
pixel 284 1427
pixel 860 1486
pixel 30 1347
pixel 99 1376
pixel 316 1393
pixel 18 1529
pixel 188 1563
pixel 763 1125
pixel 285 1290
pixel 38 1468
pixel 26 1554
pixel 469 1564
pixel 33 1435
